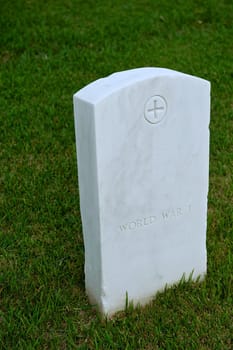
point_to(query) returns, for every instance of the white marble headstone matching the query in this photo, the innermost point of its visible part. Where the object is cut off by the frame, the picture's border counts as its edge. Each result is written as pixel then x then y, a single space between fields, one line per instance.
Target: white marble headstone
pixel 142 141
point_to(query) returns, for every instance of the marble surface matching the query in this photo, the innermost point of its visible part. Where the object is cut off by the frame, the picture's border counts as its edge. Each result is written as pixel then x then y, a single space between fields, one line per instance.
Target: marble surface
pixel 142 141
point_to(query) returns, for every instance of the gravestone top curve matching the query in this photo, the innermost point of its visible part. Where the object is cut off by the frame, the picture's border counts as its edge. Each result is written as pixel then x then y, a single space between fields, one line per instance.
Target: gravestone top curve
pixel 103 87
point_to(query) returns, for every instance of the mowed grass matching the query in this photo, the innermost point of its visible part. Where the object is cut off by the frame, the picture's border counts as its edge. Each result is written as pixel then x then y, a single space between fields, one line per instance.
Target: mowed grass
pixel 49 50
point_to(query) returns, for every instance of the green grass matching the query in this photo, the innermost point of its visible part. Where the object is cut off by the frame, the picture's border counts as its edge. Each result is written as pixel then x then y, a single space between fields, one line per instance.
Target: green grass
pixel 49 50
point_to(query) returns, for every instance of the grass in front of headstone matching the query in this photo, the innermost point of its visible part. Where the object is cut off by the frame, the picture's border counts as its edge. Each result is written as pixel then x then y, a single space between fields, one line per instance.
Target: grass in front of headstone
pixel 49 50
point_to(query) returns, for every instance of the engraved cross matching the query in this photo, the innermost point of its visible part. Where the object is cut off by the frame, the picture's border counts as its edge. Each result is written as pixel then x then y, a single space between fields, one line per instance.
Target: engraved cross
pixel 155 109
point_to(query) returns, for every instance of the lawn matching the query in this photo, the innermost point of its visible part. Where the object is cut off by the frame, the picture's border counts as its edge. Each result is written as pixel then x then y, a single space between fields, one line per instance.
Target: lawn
pixel 49 50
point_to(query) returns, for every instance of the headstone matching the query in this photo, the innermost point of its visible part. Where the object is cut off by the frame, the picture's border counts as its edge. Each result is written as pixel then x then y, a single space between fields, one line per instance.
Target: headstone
pixel 142 141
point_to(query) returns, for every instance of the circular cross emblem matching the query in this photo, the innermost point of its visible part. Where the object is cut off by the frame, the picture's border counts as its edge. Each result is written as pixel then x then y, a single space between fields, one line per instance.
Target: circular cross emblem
pixel 155 109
